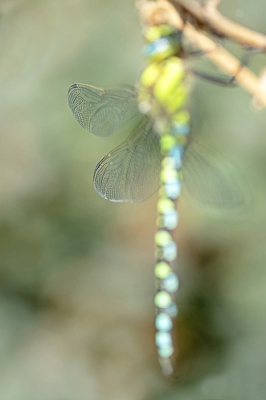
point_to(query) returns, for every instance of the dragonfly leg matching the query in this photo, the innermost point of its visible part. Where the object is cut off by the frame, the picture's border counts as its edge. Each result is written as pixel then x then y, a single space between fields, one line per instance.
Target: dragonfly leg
pixel 227 80
pixel 220 80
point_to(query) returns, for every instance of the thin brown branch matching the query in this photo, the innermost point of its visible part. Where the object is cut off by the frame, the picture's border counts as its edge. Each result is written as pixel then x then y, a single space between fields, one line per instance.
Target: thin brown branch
pixel 214 3
pixel 162 11
pixel 207 15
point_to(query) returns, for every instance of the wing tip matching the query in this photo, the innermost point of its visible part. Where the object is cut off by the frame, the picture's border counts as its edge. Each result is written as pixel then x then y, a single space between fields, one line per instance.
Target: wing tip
pixel 74 86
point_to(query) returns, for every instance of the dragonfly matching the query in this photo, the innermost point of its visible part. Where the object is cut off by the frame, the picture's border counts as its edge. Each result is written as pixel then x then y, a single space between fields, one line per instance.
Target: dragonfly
pixel 156 156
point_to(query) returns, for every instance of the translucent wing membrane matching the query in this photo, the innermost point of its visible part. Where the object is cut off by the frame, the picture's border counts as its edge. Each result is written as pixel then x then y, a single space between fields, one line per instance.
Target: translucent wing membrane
pixel 103 111
pixel 212 182
pixel 131 171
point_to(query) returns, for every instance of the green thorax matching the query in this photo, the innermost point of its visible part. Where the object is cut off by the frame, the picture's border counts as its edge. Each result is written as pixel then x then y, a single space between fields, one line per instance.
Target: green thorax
pixel 163 91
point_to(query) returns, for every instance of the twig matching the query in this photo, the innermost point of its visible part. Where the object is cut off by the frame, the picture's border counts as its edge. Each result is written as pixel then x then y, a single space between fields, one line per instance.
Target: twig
pixel 208 15
pixel 154 13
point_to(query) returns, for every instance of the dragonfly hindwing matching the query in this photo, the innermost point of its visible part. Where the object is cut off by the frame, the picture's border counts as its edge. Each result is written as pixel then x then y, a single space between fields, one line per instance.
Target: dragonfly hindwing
pixel 131 171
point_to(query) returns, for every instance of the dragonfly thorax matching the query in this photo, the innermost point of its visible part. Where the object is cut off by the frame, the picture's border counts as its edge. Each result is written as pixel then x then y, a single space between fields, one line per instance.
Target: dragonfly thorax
pixel 162 88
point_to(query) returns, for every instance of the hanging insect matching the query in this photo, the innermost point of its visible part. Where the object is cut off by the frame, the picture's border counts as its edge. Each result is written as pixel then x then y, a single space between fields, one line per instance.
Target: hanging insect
pixel 163 94
pixel 151 158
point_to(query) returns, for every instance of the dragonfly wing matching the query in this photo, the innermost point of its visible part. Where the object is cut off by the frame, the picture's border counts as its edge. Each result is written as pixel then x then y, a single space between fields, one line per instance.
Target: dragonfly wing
pixel 131 171
pixel 103 111
pixel 212 182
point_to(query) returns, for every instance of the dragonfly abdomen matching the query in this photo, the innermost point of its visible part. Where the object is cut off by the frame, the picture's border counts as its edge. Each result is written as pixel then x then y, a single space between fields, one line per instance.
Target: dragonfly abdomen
pixel 163 95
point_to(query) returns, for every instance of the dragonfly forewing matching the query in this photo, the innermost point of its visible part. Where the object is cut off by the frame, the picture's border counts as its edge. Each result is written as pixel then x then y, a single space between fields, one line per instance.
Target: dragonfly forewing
pixel 103 111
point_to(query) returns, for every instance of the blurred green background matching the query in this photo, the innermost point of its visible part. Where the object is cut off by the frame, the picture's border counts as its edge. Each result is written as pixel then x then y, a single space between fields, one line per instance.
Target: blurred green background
pixel 76 271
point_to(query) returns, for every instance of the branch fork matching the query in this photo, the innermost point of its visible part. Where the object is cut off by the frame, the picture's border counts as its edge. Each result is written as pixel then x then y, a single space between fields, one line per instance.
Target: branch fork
pixel 201 24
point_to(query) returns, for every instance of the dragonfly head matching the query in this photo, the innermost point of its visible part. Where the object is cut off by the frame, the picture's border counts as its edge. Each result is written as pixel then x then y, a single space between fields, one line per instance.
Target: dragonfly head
pixel 162 41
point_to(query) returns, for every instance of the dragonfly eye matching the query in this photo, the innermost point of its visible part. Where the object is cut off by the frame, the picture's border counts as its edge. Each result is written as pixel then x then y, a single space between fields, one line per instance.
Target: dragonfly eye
pixel 160 49
pixel 162 41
